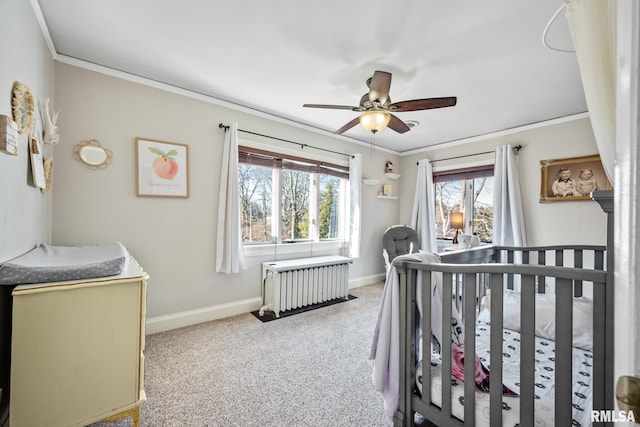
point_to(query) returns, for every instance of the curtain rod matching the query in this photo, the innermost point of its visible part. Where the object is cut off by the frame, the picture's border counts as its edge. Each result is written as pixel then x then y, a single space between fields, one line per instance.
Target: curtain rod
pixel 515 147
pixel 302 145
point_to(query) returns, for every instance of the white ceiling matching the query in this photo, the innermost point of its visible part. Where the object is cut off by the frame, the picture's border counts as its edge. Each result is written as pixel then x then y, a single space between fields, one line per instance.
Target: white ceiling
pixel 274 56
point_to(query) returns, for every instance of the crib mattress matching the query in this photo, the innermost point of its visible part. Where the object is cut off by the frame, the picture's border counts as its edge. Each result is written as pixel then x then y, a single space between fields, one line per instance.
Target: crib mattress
pixel 48 263
pixel 544 381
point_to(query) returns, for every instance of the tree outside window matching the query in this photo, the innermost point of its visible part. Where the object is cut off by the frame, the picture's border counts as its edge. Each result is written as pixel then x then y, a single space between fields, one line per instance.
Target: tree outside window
pixel 330 207
pixel 295 205
pixel 255 203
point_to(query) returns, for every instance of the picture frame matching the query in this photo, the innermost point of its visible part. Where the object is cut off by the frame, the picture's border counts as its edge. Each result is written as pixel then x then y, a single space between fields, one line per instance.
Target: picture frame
pixel 161 168
pixel 582 175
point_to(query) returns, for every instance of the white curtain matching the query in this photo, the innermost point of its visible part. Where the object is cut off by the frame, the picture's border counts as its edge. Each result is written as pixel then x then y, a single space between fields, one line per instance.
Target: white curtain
pixel 423 218
pixel 508 213
pixel 593 29
pixel 355 183
pixel 229 253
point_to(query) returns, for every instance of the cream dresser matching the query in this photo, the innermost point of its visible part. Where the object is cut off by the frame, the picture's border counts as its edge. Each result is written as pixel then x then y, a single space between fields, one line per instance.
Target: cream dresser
pixel 77 350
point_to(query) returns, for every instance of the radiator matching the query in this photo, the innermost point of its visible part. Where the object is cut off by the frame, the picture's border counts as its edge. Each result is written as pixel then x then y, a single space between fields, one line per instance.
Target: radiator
pixel 296 283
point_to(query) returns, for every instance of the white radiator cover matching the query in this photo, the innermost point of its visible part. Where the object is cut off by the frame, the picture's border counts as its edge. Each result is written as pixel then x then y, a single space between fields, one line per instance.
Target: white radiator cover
pixel 295 283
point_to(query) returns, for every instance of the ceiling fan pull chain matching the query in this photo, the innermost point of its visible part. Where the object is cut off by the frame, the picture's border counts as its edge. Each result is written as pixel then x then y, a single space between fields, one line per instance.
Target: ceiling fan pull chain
pixel 373 140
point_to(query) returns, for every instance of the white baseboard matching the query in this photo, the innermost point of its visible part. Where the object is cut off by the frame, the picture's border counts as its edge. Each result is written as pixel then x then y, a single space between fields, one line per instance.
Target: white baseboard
pixel 200 315
pixel 366 280
pixel 214 312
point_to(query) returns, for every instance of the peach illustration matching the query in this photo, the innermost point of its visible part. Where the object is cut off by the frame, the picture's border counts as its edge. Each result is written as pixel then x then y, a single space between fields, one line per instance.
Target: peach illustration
pixel 165 165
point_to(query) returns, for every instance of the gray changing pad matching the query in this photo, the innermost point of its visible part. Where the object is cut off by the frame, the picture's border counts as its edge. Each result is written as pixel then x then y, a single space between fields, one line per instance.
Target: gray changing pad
pixel 48 263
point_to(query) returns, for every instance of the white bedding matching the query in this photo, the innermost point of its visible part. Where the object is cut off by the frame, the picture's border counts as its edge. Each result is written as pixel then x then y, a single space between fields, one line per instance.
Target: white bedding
pixel 544 381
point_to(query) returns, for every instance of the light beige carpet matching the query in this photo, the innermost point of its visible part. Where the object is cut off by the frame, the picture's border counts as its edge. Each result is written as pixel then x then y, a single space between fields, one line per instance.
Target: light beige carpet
pixel 311 369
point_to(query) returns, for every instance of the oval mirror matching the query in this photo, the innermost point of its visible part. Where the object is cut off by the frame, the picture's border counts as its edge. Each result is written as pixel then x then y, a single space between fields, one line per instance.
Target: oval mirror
pixel 92 154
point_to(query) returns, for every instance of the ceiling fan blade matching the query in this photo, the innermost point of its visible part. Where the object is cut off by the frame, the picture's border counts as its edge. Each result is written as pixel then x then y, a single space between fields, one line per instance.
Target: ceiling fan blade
pixel 349 125
pixel 335 107
pixel 379 87
pixel 398 125
pixel 423 104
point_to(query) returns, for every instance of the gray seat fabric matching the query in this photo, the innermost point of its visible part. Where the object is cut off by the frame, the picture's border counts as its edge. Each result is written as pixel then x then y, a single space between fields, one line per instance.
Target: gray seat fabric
pixel 47 263
pixel 397 240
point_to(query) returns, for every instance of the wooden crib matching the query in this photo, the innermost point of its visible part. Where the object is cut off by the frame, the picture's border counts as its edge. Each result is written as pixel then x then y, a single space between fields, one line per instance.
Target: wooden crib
pixel 556 280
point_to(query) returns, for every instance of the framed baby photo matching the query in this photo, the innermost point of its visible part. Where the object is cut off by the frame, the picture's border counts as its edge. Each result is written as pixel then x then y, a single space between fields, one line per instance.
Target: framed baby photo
pixel 572 179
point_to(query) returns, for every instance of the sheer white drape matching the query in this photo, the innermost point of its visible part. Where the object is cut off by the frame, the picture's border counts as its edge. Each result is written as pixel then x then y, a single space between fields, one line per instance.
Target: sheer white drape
pixel 229 252
pixel 593 29
pixel 355 183
pixel 508 213
pixel 423 218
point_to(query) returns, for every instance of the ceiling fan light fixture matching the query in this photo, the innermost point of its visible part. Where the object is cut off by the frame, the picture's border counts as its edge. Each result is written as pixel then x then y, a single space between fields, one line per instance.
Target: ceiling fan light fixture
pixel 375 120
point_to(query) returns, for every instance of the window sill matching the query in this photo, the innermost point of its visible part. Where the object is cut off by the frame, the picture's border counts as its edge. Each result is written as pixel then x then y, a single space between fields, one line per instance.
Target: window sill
pixel 305 249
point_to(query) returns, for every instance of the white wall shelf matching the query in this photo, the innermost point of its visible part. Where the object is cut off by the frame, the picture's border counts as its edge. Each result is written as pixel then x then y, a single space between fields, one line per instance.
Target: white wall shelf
pixel 392 175
pixel 388 197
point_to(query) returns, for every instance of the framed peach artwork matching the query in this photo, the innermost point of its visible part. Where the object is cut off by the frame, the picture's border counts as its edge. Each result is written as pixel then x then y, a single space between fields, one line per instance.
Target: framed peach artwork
pixel 162 168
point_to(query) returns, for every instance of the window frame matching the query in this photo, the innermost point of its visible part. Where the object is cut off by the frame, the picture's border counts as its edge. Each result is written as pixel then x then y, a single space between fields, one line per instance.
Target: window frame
pixel 466 175
pixel 255 154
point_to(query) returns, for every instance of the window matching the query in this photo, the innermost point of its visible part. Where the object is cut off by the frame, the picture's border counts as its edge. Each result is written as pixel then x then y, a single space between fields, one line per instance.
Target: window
pixel 287 199
pixel 469 191
pixel 331 206
pixel 255 202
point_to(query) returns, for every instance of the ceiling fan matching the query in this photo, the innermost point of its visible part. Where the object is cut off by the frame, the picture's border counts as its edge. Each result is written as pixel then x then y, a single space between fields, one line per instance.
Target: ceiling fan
pixel 376 106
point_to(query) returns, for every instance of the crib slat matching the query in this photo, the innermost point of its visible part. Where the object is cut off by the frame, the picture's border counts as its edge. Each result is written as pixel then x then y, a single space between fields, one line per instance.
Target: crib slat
pixel 527 350
pixel 599 347
pixel 426 337
pixel 559 257
pixel 599 260
pixel 407 360
pixel 577 263
pixel 542 280
pixel 510 255
pixel 469 293
pixel 446 343
pixel 564 328
pixel 495 349
pixel 458 284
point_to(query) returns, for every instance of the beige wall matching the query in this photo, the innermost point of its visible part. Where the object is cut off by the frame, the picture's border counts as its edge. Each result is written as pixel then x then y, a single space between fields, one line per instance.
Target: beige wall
pixel 25 213
pixel 575 222
pixel 174 239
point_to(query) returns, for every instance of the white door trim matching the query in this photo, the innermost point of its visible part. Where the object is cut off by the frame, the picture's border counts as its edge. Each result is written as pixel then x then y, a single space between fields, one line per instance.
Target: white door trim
pixel 627 197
